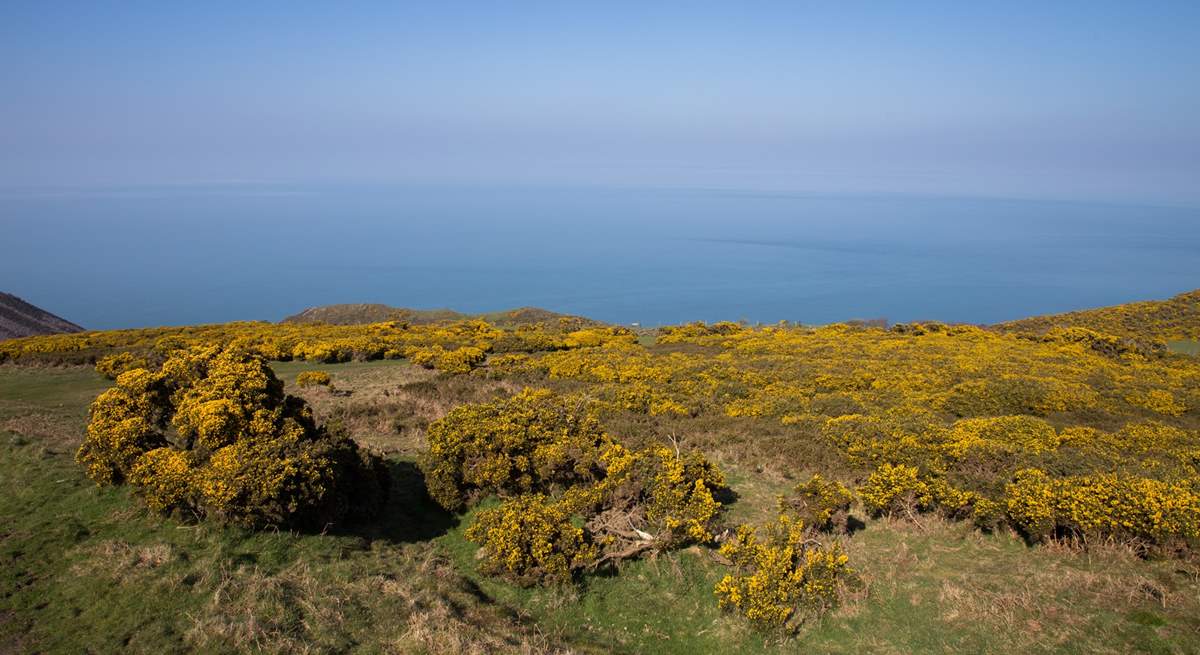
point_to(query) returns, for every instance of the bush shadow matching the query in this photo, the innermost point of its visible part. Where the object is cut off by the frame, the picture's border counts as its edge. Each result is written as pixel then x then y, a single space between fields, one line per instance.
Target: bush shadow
pixel 409 515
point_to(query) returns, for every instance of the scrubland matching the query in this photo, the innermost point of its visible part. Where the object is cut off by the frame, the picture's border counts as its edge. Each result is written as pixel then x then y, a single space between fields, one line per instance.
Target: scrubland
pixel 566 487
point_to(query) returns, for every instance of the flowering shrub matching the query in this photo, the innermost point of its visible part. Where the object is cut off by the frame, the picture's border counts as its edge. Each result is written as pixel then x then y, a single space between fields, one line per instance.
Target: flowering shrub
pixel 650 499
pixel 781 577
pixel 165 478
pixel 1104 506
pixel 571 496
pixel 531 540
pixel 1000 434
pixel 241 450
pixel 821 504
pixel 424 356
pixel 894 489
pixel 598 336
pixel 313 379
pixel 113 365
pixel 460 360
pixel 534 441
pixel 685 333
pixel 318 342
pixel 1158 400
pixel 126 421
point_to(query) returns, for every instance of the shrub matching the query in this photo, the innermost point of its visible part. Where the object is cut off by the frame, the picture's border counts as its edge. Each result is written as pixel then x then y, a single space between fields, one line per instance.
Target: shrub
pixel 534 441
pixel 113 365
pixel 554 463
pixel 648 500
pixel 894 489
pixel 313 378
pixel 1004 434
pixel 1158 400
pixel 125 422
pixel 242 450
pixel 781 577
pixel 426 357
pixel 531 540
pixel 164 477
pixel 870 440
pixel 821 504
pixel 1104 506
pixel 460 360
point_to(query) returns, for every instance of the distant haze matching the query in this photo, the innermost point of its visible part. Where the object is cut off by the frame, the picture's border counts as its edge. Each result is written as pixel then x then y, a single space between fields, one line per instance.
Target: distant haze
pixel 1065 100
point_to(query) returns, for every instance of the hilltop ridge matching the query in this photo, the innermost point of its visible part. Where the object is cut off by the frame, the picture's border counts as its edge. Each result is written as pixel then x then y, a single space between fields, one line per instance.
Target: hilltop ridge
pixel 1177 317
pixel 361 313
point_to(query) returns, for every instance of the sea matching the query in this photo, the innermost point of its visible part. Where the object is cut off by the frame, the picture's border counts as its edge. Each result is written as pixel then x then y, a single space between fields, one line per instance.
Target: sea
pixel 174 255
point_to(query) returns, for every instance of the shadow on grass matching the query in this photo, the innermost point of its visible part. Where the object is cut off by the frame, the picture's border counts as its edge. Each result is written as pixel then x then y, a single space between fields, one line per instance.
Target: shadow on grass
pixel 410 514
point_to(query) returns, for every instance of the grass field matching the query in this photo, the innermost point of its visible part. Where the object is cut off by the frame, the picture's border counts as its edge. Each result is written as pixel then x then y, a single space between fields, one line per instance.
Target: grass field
pixel 1185 346
pixel 87 569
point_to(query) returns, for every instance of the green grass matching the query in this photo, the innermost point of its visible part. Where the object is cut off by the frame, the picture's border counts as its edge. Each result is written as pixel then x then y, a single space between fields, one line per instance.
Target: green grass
pixel 85 569
pixel 1185 346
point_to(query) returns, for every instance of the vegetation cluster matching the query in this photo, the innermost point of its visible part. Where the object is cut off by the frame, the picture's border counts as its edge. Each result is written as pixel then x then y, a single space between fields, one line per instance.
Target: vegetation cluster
pixel 211 433
pixel 1159 320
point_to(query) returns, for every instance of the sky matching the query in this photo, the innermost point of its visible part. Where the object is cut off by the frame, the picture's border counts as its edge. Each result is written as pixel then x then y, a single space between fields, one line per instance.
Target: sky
pixel 1072 100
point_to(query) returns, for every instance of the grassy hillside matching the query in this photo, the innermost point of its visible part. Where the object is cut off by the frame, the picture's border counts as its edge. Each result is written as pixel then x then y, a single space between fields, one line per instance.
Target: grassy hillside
pixel 970 411
pixel 1177 318
pixel 87 569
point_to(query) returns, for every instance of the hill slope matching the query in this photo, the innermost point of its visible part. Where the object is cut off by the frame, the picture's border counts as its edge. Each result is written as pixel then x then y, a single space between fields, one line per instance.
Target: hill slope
pixel 1174 318
pixel 21 319
pixel 355 314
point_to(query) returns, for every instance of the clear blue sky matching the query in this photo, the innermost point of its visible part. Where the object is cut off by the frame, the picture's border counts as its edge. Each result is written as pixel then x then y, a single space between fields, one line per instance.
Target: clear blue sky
pixel 1064 99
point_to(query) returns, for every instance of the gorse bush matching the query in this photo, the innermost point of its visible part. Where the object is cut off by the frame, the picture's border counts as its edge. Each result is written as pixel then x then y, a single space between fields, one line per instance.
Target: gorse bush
pixel 533 442
pixel 650 499
pixel 313 379
pixel 589 500
pixel 644 501
pixel 781 575
pixel 113 365
pixel 531 540
pixel 895 489
pixel 212 434
pixel 460 360
pixel 1105 506
pixel 821 504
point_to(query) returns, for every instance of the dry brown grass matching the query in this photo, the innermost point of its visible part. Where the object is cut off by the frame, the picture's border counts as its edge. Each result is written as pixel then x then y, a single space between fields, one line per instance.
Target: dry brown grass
pixel 47 429
pixel 428 609
pixel 387 408
pixel 1043 599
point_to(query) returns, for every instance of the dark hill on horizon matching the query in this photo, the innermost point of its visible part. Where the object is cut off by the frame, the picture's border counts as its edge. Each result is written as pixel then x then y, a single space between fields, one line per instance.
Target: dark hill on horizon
pixel 21 319
pixel 355 314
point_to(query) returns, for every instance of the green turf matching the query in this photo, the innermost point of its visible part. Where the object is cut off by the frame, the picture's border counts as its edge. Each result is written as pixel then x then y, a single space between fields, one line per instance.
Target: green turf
pixel 1185 346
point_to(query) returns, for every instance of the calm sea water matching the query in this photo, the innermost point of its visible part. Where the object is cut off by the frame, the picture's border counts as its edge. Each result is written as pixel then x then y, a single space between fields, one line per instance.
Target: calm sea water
pixel 166 256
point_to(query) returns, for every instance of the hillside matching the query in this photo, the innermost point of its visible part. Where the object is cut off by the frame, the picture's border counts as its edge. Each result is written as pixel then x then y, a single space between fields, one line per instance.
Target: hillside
pixel 362 313
pixel 717 488
pixel 1163 320
pixel 21 319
